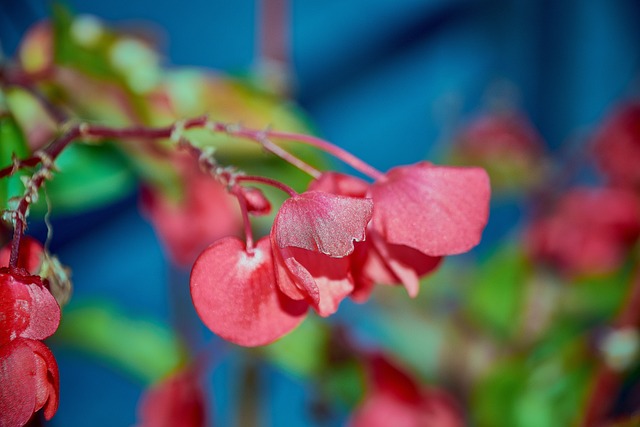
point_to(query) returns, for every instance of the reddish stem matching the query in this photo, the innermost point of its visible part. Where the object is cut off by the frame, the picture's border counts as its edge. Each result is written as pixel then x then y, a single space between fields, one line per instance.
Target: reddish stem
pixel 248 233
pixel 609 380
pixel 332 149
pixel 264 180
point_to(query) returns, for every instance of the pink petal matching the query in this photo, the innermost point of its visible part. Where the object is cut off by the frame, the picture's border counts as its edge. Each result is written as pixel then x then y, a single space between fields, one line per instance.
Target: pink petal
pixel 176 401
pixel 235 294
pixel 47 380
pixel 29 378
pixel 325 281
pixel 17 394
pixel 338 183
pixel 322 222
pixel 436 210
pixel 27 308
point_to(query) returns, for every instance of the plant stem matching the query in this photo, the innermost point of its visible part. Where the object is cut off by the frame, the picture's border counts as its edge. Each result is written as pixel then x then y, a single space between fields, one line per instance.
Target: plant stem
pixel 272 182
pixel 608 379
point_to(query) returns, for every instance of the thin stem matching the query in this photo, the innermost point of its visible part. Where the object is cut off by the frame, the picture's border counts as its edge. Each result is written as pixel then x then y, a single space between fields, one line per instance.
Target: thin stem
pixel 290 158
pixel 608 379
pixel 264 180
pixel 248 233
pixel 332 149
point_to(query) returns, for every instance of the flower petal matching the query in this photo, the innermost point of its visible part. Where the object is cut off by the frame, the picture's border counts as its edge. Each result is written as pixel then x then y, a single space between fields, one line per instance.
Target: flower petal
pixel 322 222
pixel 324 280
pixel 47 381
pixel 339 183
pixel 436 210
pixel 235 294
pixel 27 308
pixel 29 257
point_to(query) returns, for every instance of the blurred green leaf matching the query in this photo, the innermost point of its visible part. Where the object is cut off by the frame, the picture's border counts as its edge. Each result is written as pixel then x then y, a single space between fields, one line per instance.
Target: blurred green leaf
pixel 143 347
pixel 496 297
pixel 88 177
pixel 12 143
pixel 345 383
pixel 301 352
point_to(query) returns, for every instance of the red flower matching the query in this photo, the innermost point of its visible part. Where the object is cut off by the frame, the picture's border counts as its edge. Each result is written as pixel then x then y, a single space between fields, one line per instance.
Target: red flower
pixel 29 378
pixel 205 213
pixel 312 235
pixel 235 294
pixel 394 399
pixel 579 237
pixel 28 370
pixel 27 308
pixel 179 400
pixel 421 212
pixel 617 145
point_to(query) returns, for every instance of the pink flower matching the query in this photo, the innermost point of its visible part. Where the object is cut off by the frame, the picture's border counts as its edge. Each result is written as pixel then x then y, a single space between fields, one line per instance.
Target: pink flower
pixel 235 294
pixel 617 145
pixel 421 212
pixel 394 399
pixel 29 378
pixel 179 400
pixel 589 231
pixel 312 236
pixel 205 213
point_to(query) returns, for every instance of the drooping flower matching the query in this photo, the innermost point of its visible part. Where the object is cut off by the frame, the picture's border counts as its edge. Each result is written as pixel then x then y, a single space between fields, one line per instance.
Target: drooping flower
pixel 504 143
pixel 394 398
pixel 205 213
pixel 421 212
pixel 30 382
pixel 617 145
pixel 312 236
pixel 27 308
pixel 589 231
pixel 235 294
pixel 178 400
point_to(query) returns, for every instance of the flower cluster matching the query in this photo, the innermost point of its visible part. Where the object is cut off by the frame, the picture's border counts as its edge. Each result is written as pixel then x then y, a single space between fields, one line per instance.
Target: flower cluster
pixel 336 240
pixel 28 314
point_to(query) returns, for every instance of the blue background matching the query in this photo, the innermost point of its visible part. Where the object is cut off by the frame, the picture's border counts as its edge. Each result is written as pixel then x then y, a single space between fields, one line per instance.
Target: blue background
pixel 384 79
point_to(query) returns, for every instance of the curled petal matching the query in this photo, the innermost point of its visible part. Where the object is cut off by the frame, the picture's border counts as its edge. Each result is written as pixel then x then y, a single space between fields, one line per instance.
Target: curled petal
pixel 436 210
pixel 30 382
pixel 322 222
pixel 235 294
pixel 27 308
pixel 323 281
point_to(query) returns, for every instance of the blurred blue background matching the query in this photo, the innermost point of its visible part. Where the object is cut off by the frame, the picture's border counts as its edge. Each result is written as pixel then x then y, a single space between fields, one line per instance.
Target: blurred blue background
pixel 387 80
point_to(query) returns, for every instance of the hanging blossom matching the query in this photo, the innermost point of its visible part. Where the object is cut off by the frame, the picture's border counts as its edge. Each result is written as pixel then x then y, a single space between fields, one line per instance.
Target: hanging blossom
pixel 576 239
pixel 394 398
pixel 178 400
pixel 337 240
pixel 28 370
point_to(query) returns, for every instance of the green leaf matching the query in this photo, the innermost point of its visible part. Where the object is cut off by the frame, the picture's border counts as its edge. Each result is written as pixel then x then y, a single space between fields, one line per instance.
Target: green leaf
pixel 302 351
pixel 12 143
pixel 496 297
pixel 89 177
pixel 142 347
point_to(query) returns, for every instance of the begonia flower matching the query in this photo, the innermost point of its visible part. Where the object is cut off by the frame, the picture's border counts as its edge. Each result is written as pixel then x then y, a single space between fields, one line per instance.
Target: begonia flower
pixel 420 213
pixel 617 145
pixel 312 236
pixel 395 399
pixel 178 400
pixel 235 294
pixel 27 308
pixel 30 382
pixel 205 213
pixel 579 238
